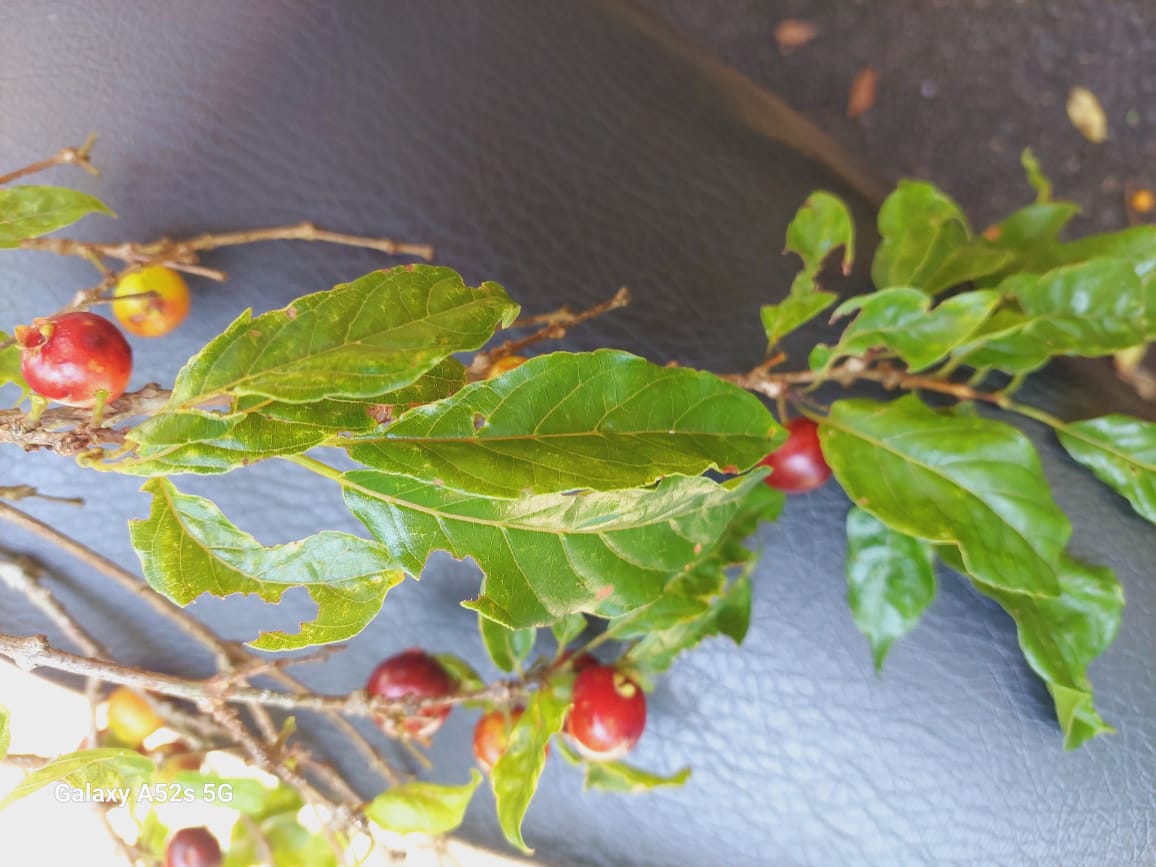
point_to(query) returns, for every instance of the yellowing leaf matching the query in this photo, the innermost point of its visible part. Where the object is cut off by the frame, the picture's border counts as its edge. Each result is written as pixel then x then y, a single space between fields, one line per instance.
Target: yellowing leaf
pixel 1087 115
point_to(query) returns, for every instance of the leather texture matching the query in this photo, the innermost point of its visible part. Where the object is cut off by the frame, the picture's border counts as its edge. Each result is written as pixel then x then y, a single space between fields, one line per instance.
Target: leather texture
pixel 564 149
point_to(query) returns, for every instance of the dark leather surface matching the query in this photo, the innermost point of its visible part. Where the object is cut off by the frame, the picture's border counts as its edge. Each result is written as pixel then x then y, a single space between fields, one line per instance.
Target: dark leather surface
pixel 564 149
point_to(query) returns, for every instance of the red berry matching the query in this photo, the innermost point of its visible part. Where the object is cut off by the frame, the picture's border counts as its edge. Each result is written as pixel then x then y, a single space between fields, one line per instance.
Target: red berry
pixel 412 673
pixel 607 715
pixel 70 357
pixel 798 464
pixel 193 847
pixel 492 736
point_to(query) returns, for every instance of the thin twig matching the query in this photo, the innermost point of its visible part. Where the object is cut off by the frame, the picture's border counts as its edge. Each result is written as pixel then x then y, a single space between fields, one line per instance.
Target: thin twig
pixel 69 430
pixel 71 156
pixel 554 326
pixel 35 651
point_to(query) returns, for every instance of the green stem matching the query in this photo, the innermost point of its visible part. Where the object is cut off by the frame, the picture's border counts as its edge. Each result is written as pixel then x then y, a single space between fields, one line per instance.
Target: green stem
pixel 1034 414
pixel 314 466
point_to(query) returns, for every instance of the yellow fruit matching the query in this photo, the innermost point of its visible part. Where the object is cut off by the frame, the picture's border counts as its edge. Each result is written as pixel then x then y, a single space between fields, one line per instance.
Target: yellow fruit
pixel 151 315
pixel 131 718
pixel 504 365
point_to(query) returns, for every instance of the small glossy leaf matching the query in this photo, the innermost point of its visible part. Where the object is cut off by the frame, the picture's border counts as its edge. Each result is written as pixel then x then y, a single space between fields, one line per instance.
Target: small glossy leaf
pixel 1087 114
pixel 781 319
pixel 567 628
pixel 900 320
pixel 423 808
pixel 357 340
pixel 820 226
pixel 820 356
pixel 617 777
pixel 5 734
pixel 461 671
pixel 946 478
pixel 1121 451
pixel 31 211
pixel 890 581
pixel 188 547
pixel 10 372
pixel 508 648
pixel 515 774
pixel 549 555
pixel 113 771
pixel 1036 177
pixel 1090 309
pixel 1060 636
pixel 600 420
pixel 1034 225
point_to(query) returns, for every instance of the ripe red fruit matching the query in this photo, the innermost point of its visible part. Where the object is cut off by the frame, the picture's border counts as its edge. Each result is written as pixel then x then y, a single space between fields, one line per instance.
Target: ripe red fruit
pixel 607 715
pixel 72 357
pixel 193 847
pixel 412 674
pixel 492 736
pixel 798 464
pixel 577 662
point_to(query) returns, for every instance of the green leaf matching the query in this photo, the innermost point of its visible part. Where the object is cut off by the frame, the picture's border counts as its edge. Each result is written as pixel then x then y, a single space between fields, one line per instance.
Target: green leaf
pixel 188 547
pixel 461 671
pixel 820 226
pixel 567 628
pixel 1121 451
pixel 920 228
pixel 900 320
pixel 289 842
pixel 820 356
pixel 197 441
pixel 617 777
pixel 30 211
pixel 1090 309
pixel 5 734
pixel 1060 636
pixel 954 479
pixel 515 774
pixel 701 602
pixel 549 555
pixel 890 581
pixel 1035 225
pixel 357 340
pixel 508 648
pixel 1036 176
pixel 927 242
pixel 249 796
pixel 10 372
pixel 781 319
pixel 113 771
pixel 423 808
pixel 563 422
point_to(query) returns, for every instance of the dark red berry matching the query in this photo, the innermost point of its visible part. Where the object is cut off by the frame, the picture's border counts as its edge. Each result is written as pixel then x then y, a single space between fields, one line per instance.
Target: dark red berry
pixel 193 847
pixel 798 464
pixel 412 673
pixel 72 357
pixel 607 715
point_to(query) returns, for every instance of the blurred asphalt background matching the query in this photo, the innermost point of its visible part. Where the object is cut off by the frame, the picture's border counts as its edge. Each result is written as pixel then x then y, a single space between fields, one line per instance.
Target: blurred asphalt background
pixel 963 87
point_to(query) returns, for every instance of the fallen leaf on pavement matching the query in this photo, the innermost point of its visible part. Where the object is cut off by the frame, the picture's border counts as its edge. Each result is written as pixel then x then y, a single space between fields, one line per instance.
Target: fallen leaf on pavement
pixel 863 90
pixel 792 33
pixel 1087 115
